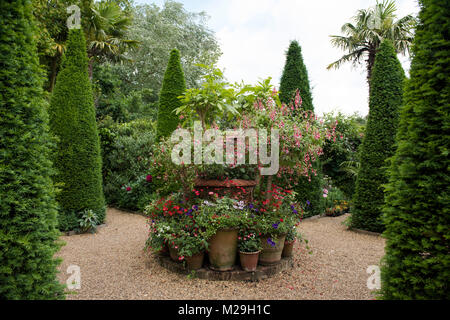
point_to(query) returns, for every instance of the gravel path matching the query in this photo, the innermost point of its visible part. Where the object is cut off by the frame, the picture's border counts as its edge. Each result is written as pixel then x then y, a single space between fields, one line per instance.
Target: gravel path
pixel 114 266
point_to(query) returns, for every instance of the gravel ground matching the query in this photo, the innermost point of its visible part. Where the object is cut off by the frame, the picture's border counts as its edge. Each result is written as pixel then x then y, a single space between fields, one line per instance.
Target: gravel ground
pixel 114 266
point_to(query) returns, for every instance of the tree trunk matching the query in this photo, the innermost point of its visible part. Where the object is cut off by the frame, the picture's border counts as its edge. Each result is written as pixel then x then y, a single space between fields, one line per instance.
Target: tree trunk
pixel 91 67
pixel 53 72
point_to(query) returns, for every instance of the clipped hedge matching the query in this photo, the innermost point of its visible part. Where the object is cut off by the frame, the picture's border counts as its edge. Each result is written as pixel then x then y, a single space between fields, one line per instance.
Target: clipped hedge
pixel 173 86
pixel 295 76
pixel 378 144
pixel 72 120
pixel 28 210
pixel 417 209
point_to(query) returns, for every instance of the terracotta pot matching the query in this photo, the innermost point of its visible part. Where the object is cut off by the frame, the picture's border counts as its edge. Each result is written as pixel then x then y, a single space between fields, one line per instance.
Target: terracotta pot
pixel 173 253
pixel 222 249
pixel 249 260
pixel 271 255
pixel 287 249
pixel 196 261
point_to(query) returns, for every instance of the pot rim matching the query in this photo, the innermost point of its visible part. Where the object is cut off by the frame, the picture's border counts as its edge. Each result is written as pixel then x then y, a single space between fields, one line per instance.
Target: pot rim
pixel 250 253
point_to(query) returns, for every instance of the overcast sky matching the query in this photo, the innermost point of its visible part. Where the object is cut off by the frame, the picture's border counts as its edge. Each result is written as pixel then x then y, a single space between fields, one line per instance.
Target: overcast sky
pixel 255 34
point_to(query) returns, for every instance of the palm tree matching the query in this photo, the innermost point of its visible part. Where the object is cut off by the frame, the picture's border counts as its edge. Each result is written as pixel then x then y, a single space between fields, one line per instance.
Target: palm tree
pixel 107 33
pixel 362 39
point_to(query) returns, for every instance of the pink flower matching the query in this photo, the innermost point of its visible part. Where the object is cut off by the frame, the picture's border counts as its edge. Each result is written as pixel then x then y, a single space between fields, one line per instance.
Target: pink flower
pixel 149 178
pixel 128 189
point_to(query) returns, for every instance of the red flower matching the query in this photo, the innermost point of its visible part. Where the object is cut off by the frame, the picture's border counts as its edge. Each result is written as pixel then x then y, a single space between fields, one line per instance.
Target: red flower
pixel 128 188
pixel 149 178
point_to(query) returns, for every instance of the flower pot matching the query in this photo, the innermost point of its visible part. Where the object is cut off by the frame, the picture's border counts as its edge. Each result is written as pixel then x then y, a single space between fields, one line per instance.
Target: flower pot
pixel 271 254
pixel 249 260
pixel 173 253
pixel 196 261
pixel 287 249
pixel 223 249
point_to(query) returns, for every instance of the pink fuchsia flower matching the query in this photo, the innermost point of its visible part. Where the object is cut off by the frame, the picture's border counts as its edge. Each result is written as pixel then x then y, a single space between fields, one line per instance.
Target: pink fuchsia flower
pixel 149 178
pixel 128 189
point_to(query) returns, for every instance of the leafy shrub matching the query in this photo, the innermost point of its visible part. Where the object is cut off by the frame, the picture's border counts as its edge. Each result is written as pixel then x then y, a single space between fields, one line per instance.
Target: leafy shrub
pixel 127 152
pixel 88 221
pixel 386 90
pixel 28 210
pixel 72 120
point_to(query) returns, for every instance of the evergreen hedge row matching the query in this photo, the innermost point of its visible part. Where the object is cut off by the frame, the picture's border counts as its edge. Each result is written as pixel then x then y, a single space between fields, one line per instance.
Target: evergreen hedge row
pixel 378 144
pixel 417 210
pixel 72 120
pixel 28 210
pixel 173 86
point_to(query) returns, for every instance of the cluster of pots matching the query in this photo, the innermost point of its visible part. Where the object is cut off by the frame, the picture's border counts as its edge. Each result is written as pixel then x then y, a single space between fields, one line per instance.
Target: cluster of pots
pixel 223 253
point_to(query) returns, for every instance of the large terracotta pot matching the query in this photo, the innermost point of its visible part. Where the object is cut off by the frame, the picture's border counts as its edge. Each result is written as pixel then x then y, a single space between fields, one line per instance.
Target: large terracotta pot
pixel 196 261
pixel 271 255
pixel 288 248
pixel 249 260
pixel 223 249
pixel 236 188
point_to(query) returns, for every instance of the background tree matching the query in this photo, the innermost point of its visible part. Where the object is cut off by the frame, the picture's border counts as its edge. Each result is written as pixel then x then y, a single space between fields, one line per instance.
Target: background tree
pixel 173 87
pixel 417 210
pixel 363 38
pixel 378 144
pixel 295 76
pixel 72 120
pixel 28 211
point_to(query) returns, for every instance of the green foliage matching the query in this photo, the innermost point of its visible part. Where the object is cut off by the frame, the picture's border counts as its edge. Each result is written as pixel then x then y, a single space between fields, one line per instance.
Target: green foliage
pixel 295 76
pixel 417 209
pixel 173 86
pixel 309 191
pixel 340 157
pixel 378 143
pixel 88 221
pixel 72 121
pixel 28 211
pixel 127 163
pixel 249 242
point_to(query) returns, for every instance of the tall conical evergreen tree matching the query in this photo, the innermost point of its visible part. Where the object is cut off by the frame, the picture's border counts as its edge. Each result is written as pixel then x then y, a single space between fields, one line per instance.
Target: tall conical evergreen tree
pixel 72 120
pixel 417 210
pixel 295 76
pixel 28 214
pixel 384 105
pixel 173 86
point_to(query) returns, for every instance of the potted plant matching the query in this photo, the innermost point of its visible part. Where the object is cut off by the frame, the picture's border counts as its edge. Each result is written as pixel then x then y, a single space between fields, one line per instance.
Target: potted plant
pixel 289 242
pixel 221 221
pixel 249 248
pixel 192 247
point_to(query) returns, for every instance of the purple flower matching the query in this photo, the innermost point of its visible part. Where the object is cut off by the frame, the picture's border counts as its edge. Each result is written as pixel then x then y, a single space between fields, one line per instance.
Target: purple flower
pixel 251 206
pixel 189 213
pixel 307 202
pixel 271 243
pixel 295 211
pixel 195 207
pixel 275 225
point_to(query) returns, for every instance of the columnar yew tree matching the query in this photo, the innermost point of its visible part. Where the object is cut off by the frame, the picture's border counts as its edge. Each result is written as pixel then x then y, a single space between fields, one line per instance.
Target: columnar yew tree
pixel 72 120
pixel 417 210
pixel 295 76
pixel 173 86
pixel 28 215
pixel 384 104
